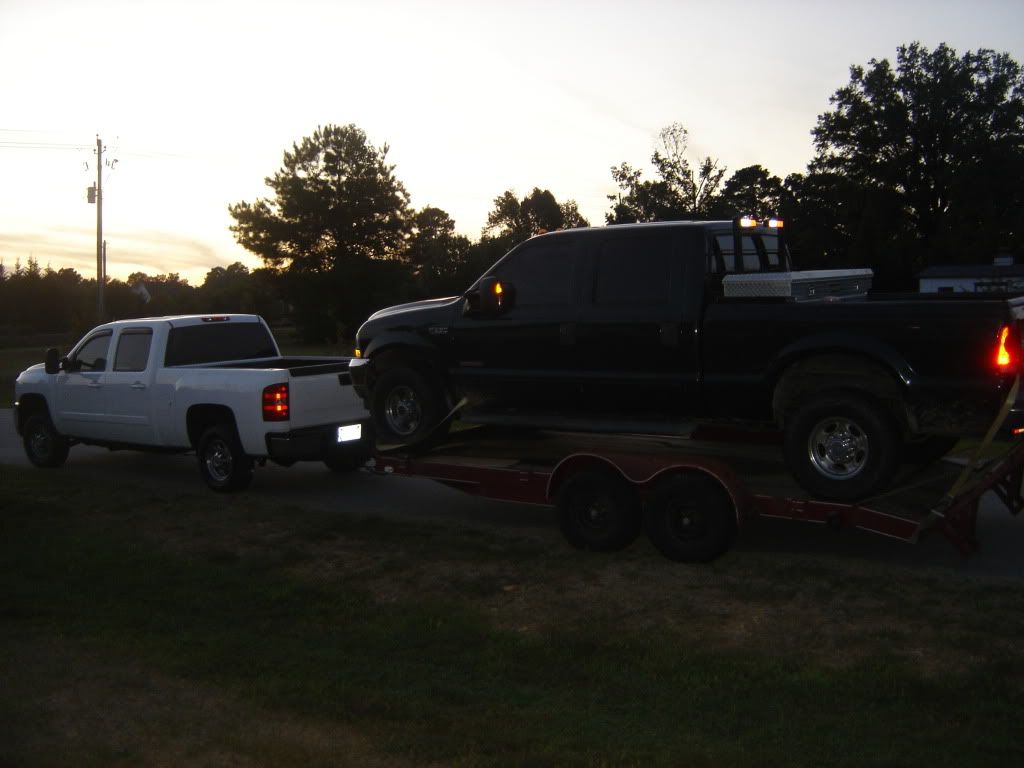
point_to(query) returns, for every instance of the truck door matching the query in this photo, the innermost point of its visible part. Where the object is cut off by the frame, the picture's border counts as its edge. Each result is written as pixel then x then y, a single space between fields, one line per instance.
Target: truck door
pixel 636 346
pixel 80 402
pixel 128 417
pixel 521 357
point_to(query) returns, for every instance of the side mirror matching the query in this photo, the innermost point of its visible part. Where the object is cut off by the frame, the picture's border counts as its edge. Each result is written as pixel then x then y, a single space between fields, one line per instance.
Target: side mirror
pixel 494 297
pixel 52 360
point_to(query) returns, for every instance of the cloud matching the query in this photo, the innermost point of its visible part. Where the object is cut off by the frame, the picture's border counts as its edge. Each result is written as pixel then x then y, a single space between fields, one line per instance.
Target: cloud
pixel 150 251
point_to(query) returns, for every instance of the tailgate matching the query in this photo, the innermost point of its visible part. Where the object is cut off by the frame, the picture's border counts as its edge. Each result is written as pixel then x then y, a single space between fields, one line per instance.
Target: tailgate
pixel 323 398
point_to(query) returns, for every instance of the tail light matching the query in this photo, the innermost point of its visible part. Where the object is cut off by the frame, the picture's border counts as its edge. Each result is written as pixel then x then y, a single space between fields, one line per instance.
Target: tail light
pixel 1008 352
pixel 275 402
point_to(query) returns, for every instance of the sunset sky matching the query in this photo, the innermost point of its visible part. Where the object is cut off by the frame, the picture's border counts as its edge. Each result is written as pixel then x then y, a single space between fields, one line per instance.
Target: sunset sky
pixel 196 101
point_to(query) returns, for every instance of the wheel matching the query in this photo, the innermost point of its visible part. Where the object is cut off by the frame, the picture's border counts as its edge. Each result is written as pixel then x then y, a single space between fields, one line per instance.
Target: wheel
pixel 928 449
pixel 408 406
pixel 222 462
pixel 44 446
pixel 599 512
pixel 841 447
pixel 690 518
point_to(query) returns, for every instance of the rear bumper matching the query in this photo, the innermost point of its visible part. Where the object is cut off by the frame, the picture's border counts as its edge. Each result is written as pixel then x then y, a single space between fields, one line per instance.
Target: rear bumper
pixel 322 442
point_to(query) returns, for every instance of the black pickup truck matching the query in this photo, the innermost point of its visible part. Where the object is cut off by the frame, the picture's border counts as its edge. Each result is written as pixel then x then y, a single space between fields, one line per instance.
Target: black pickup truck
pixel 634 328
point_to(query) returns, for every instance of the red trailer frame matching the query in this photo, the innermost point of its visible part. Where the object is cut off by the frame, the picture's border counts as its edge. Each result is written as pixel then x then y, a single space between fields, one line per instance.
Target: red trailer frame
pixel 542 467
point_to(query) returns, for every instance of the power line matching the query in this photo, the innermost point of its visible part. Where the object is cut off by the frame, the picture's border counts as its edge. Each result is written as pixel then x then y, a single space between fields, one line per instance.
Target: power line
pixel 39 145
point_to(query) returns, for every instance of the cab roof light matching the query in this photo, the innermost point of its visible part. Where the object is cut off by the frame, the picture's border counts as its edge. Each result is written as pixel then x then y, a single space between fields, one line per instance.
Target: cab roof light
pixel 216 318
pixel 747 222
pixel 775 223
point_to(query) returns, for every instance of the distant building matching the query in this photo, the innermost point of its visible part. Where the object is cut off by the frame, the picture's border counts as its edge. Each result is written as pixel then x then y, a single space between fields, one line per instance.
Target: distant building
pixel 1003 275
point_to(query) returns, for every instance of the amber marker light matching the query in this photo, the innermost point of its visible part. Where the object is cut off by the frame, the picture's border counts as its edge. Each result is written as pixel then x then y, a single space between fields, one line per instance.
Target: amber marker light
pixel 747 222
pixel 775 224
pixel 1003 357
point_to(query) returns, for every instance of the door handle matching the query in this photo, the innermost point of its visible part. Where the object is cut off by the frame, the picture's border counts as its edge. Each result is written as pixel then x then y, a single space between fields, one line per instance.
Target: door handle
pixel 138 385
pixel 94 385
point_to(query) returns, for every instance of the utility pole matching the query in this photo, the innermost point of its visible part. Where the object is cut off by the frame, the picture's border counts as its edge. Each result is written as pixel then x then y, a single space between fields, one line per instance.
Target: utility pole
pixel 100 276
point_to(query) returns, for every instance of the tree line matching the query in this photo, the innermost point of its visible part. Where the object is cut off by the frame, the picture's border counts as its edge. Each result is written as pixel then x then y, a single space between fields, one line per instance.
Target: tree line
pixel 915 163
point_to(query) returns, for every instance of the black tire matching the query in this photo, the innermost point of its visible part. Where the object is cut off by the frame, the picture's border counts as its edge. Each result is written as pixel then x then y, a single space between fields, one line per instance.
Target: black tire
pixel 408 407
pixel 223 464
pixel 929 449
pixel 599 512
pixel 44 445
pixel 690 518
pixel 842 447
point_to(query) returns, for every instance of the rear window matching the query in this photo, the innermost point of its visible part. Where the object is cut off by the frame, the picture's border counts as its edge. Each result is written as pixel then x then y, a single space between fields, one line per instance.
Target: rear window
pixel 760 253
pixel 216 342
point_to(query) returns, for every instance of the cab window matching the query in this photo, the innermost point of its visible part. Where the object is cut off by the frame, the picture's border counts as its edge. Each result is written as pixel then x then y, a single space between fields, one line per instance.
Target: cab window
pixel 133 350
pixel 541 274
pixel 92 356
pixel 633 268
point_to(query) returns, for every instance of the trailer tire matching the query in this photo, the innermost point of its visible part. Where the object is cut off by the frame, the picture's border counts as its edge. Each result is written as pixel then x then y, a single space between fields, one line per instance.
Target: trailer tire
pixel 223 464
pixel 842 447
pixel 44 445
pixel 408 407
pixel 691 519
pixel 599 512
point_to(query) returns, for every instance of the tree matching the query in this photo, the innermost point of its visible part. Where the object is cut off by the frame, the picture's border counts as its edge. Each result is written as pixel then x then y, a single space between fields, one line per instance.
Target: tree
pixel 515 220
pixel 337 215
pixel 751 190
pixel 934 151
pixel 678 193
pixel 437 254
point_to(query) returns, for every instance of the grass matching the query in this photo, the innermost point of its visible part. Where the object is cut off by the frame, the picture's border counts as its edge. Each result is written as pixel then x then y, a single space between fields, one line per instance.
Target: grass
pixel 140 628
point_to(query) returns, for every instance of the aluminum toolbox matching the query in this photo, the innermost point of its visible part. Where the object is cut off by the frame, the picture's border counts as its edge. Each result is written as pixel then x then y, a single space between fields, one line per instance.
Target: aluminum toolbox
pixel 799 286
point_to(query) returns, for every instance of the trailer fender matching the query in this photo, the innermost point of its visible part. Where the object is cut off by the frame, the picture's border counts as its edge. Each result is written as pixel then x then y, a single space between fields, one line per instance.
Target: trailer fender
pixel 645 473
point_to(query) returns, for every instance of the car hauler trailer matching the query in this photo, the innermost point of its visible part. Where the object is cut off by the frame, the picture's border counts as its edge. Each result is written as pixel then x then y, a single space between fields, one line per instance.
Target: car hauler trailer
pixel 692 496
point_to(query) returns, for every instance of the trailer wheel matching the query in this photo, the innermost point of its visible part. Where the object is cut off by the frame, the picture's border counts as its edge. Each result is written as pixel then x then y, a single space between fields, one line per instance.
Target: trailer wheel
pixel 691 519
pixel 44 446
pixel 222 462
pixel 599 512
pixel 841 447
pixel 407 406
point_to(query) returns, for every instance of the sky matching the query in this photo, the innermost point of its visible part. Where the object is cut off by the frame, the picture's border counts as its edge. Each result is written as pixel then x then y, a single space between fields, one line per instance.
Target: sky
pixel 197 101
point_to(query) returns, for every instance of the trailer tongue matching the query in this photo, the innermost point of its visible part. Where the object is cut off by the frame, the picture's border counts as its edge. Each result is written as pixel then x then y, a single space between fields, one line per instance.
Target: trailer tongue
pixel 693 496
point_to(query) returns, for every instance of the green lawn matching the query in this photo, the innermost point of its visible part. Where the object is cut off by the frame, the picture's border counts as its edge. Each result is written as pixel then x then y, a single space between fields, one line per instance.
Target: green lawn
pixel 141 628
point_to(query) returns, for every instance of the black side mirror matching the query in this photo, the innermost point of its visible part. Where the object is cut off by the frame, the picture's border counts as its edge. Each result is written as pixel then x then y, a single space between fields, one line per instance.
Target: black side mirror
pixel 52 360
pixel 495 296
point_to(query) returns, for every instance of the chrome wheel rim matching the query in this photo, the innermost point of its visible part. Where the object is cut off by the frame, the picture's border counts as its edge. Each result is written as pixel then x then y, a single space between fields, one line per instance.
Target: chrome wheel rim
pixel 218 461
pixel 42 443
pixel 403 411
pixel 838 448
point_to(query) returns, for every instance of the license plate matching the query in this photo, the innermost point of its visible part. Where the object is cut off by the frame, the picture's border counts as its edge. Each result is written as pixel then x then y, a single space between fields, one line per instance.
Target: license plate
pixel 350 433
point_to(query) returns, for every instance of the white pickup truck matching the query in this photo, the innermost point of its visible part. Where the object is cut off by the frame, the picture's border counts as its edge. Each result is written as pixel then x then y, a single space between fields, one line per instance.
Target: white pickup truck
pixel 216 385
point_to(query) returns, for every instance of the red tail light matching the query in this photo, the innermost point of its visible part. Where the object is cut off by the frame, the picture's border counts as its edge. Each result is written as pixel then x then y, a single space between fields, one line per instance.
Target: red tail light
pixel 1007 350
pixel 275 402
